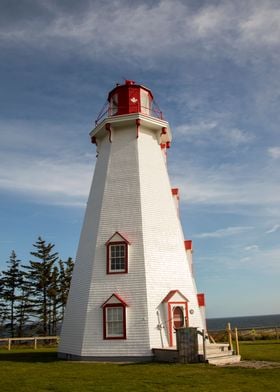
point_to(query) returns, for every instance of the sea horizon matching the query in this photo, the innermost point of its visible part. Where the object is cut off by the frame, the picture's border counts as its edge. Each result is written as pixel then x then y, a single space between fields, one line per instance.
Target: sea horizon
pixel 268 320
pixel 251 315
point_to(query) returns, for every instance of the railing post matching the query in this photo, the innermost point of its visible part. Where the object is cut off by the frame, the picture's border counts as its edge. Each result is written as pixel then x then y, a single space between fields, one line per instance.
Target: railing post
pixel 237 341
pixel 229 336
pixel 35 343
pixel 203 343
pixel 9 344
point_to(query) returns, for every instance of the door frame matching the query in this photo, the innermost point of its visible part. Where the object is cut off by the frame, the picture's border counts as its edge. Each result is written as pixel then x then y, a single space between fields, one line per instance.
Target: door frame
pixel 171 306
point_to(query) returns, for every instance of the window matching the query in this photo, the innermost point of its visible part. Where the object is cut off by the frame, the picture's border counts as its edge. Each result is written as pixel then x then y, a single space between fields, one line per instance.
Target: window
pixel 114 322
pixel 145 102
pixel 114 318
pixel 117 254
pixel 114 105
pixel 117 257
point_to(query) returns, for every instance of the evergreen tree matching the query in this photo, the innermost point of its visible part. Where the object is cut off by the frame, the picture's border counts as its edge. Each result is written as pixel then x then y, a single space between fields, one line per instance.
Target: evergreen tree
pixel 54 301
pixel 3 307
pixel 23 306
pixel 12 280
pixel 65 276
pixel 39 277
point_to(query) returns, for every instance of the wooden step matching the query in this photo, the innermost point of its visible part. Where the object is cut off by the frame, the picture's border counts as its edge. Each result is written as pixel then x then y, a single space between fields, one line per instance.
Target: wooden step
pixel 217 346
pixel 224 360
pixel 215 354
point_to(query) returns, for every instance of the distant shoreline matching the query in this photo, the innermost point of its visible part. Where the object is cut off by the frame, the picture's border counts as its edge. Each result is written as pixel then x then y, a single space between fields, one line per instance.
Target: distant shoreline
pixel 253 315
pixel 218 323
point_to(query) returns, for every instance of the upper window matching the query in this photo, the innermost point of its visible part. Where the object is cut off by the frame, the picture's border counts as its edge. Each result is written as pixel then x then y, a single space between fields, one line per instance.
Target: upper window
pixel 117 257
pixel 117 254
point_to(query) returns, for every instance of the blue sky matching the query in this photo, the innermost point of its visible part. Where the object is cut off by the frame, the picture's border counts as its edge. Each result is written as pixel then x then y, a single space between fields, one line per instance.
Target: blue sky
pixel 213 67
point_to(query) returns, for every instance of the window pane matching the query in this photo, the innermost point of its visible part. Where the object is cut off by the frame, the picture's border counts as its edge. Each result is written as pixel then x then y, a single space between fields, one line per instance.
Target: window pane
pixel 117 257
pixel 145 102
pixel 114 323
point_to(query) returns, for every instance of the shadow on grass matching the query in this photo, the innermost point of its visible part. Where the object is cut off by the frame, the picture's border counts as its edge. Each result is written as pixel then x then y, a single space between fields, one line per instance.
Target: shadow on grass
pixel 29 356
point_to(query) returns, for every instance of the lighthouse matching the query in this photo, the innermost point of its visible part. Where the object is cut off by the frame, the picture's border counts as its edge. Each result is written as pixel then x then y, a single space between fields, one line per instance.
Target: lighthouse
pixel 132 284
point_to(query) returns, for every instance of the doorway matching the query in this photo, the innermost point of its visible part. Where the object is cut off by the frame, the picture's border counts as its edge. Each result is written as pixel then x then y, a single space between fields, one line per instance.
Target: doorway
pixel 178 317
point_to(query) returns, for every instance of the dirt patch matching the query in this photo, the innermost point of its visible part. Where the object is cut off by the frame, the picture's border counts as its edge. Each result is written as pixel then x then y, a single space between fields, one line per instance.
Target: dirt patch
pixel 255 364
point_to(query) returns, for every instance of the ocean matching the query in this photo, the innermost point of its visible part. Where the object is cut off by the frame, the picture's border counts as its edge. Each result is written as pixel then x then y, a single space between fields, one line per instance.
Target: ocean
pixel 272 320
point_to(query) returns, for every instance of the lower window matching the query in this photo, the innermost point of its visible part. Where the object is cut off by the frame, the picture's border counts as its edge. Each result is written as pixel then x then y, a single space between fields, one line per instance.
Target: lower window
pixel 114 322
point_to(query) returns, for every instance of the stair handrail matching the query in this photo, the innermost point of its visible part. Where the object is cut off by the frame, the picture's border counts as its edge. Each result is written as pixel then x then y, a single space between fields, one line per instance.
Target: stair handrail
pixel 229 336
pixel 237 341
pixel 204 337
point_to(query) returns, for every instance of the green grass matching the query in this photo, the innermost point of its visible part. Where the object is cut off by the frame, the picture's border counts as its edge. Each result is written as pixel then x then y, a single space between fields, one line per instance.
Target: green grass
pixel 27 370
pixel 261 350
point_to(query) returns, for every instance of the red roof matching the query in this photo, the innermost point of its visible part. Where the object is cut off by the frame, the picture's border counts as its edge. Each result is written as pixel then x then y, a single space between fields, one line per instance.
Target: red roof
pixel 121 235
pixel 172 293
pixel 117 297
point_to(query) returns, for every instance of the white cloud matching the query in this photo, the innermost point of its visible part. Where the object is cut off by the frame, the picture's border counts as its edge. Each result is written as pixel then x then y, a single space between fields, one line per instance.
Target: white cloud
pixel 51 180
pixel 170 27
pixel 265 260
pixel 273 229
pixel 274 152
pixel 226 232
pixel 250 248
pixel 211 20
pixel 37 163
pixel 237 136
pixel 262 25
pixel 203 131
pixel 195 129
pixel 260 260
pixel 233 185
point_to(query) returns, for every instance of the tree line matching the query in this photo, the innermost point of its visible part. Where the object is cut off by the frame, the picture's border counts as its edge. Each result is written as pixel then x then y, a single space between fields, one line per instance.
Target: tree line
pixel 33 296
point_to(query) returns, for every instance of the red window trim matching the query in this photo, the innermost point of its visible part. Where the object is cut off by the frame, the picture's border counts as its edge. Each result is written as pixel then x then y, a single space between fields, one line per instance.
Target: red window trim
pixel 118 305
pixel 125 271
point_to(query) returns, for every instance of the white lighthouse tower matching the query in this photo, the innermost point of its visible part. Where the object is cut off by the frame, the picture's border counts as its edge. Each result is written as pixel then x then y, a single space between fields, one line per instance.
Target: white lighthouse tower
pixel 132 284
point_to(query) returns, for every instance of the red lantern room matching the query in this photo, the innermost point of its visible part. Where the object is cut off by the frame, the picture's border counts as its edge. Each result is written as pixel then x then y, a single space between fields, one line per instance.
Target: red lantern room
pixel 130 98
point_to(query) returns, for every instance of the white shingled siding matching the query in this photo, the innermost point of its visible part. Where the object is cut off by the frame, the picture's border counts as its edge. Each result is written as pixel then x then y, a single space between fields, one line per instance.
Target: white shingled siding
pixel 120 211
pixel 77 305
pixel 131 194
pixel 167 267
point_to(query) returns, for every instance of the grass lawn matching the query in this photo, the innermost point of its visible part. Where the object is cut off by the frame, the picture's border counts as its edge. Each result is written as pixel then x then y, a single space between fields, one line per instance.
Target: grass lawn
pixel 261 350
pixel 27 370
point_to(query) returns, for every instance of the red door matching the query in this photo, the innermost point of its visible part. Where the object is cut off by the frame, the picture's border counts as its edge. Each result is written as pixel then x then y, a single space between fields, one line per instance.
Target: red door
pixel 178 317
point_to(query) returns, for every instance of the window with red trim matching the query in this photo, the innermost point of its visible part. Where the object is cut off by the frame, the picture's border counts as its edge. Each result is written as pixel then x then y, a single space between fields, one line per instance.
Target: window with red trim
pixel 114 321
pixel 117 257
pixel 117 254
